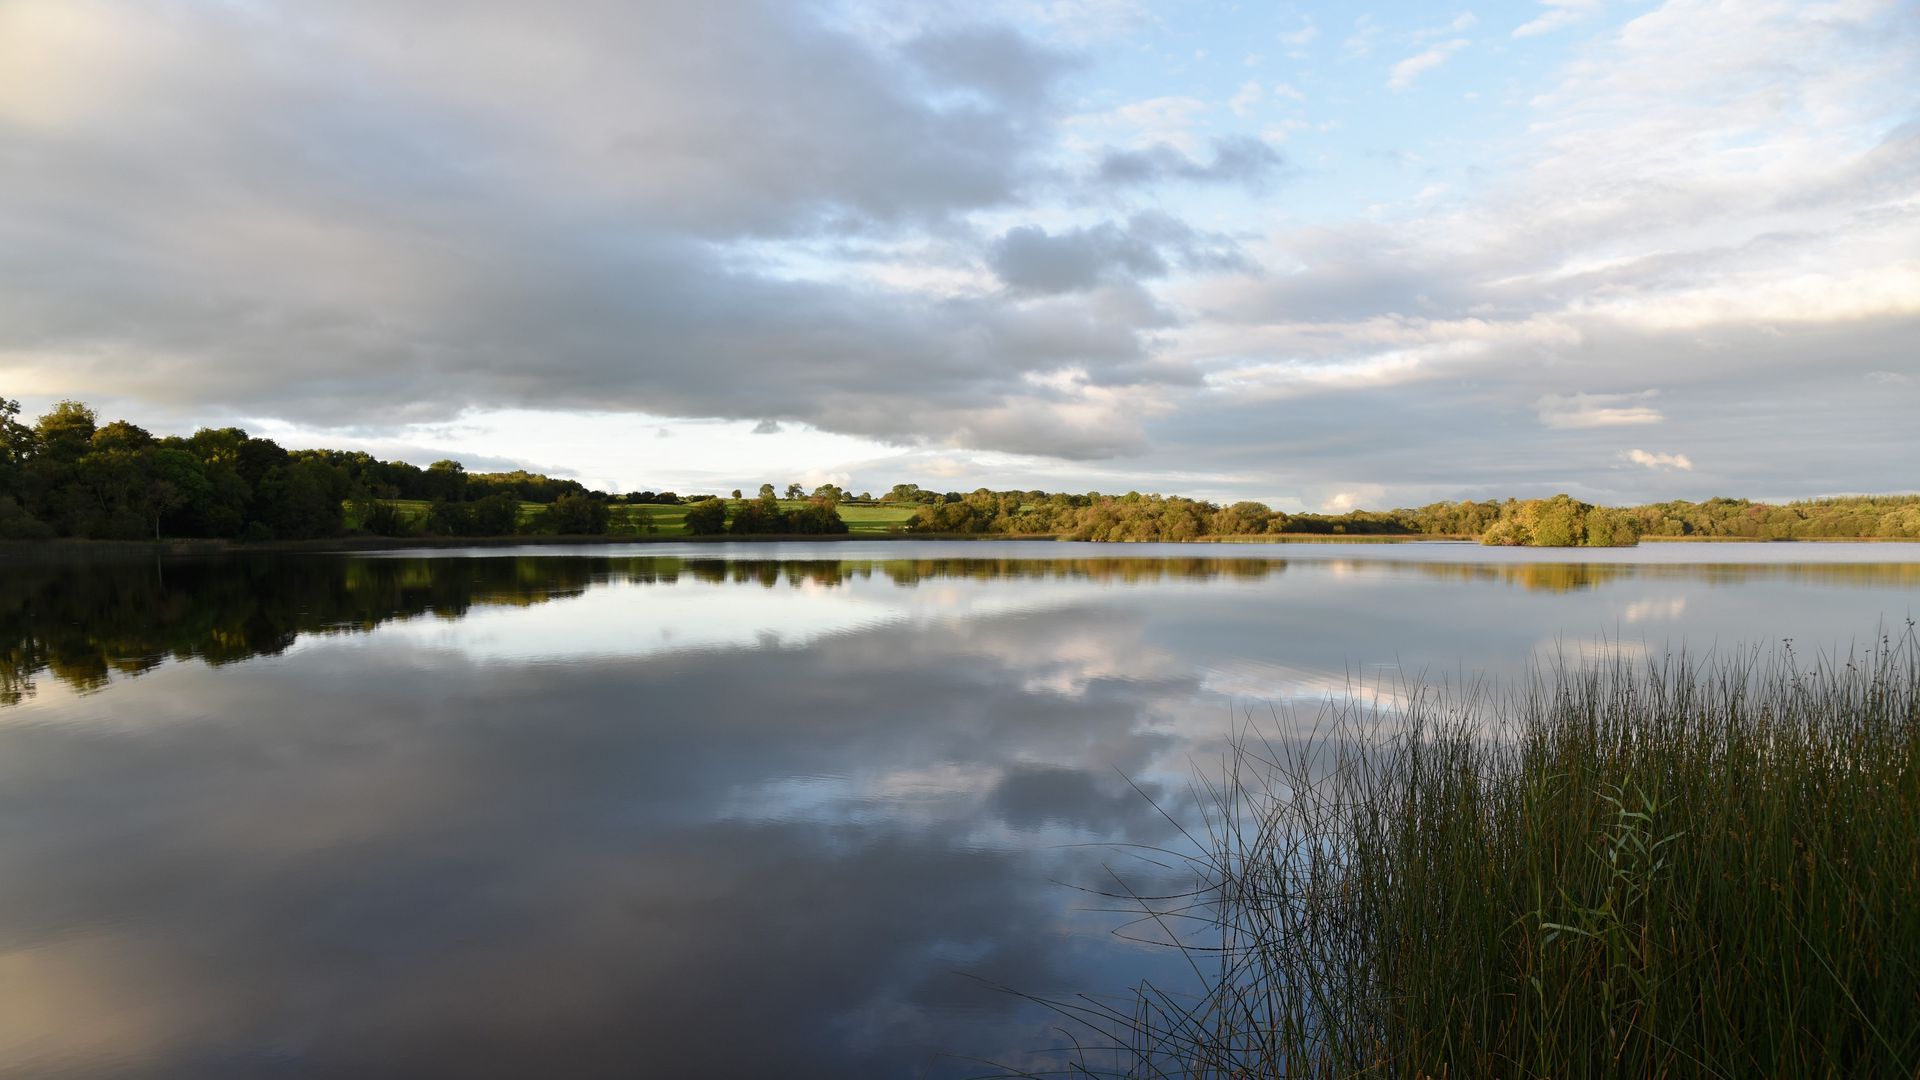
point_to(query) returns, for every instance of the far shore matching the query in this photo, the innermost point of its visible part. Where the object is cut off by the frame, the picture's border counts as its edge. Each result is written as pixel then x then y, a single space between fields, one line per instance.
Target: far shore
pixel 67 550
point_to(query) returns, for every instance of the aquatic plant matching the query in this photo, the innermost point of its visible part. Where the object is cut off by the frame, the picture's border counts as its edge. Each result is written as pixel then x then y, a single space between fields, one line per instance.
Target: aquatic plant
pixel 1624 868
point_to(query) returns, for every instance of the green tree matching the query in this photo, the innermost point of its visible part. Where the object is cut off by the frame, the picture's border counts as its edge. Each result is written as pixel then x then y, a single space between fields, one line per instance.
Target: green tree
pixel 446 480
pixel 577 515
pixel 65 434
pixel 299 502
pixel 16 442
pixel 499 514
pixel 707 518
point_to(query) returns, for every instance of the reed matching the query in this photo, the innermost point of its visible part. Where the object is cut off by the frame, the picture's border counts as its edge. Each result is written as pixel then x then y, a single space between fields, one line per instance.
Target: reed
pixel 1624 868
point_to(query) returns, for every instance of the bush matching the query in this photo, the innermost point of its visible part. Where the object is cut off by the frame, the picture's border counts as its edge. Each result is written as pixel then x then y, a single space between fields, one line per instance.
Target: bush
pixel 17 524
pixel 380 518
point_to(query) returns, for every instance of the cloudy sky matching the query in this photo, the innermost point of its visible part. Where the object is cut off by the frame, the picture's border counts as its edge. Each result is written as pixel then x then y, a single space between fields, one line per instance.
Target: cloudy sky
pixel 1320 255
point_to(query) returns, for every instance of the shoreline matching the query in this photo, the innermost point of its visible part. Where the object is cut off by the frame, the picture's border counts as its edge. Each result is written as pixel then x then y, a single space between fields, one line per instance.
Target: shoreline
pixel 67 549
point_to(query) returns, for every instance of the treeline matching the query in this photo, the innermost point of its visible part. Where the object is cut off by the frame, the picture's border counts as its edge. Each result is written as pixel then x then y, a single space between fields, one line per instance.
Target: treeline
pixel 1138 517
pixel 1560 521
pixel 70 475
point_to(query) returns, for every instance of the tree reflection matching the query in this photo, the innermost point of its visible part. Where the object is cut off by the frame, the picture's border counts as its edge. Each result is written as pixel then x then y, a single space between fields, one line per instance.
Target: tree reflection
pixel 85 624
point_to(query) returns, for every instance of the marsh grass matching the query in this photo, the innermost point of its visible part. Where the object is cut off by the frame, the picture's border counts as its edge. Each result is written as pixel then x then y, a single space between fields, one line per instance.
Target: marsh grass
pixel 1623 868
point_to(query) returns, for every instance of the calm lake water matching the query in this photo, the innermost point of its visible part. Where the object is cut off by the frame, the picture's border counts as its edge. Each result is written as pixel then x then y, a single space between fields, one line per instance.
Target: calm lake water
pixel 716 810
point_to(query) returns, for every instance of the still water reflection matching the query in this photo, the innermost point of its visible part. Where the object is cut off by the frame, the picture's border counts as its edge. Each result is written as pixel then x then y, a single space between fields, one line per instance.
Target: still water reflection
pixel 766 809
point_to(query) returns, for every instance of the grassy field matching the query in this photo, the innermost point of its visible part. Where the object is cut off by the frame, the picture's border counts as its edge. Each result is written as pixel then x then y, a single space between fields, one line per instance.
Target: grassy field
pixel 874 519
pixel 1631 869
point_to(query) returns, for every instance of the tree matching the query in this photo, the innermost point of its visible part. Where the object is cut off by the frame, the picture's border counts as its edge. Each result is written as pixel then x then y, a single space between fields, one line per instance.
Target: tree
pixel 498 514
pixel 795 491
pixel 66 433
pixel 300 502
pixel 446 480
pixel 175 483
pixel 16 445
pixel 380 518
pixel 766 491
pixel 736 493
pixel 122 436
pixel 762 515
pixel 816 518
pixel 707 517
pixel 577 515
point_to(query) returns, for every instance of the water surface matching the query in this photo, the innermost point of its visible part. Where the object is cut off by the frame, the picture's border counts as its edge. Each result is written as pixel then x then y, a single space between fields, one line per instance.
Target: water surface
pixel 730 810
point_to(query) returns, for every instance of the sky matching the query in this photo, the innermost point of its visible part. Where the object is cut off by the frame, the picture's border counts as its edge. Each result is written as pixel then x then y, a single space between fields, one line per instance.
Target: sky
pixel 1320 255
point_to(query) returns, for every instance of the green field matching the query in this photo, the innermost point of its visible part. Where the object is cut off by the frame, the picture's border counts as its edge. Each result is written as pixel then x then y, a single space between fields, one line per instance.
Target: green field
pixel 647 519
pixel 874 519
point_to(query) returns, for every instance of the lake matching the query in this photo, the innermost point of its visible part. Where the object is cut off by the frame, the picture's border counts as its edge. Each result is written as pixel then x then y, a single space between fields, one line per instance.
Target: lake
pixel 717 809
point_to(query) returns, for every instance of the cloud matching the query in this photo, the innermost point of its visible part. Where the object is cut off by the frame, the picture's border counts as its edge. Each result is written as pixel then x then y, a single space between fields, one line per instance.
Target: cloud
pixel 1366 32
pixel 1597 410
pixel 764 427
pixel 1250 95
pixel 1030 260
pixel 1297 40
pixel 604 230
pixel 1237 159
pixel 1558 13
pixel 1757 279
pixel 1362 497
pixel 902 224
pixel 1658 461
pixel 1406 71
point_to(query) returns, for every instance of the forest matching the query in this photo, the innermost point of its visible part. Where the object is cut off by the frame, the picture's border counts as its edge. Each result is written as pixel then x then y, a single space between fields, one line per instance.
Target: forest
pixel 69 475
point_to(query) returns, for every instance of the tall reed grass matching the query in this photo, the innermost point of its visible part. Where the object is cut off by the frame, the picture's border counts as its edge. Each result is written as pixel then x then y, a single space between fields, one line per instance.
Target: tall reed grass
pixel 1624 868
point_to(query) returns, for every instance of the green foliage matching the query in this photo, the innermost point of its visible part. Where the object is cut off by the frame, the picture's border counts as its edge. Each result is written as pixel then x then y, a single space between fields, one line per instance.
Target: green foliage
pixel 707 518
pixel 576 515
pixel 765 516
pixel 1561 521
pixel 495 515
pixel 817 518
pixel 381 518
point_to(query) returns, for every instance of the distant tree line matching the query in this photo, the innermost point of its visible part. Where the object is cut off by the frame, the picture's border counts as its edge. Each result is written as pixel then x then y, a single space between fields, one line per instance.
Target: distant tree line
pixel 1560 521
pixel 69 475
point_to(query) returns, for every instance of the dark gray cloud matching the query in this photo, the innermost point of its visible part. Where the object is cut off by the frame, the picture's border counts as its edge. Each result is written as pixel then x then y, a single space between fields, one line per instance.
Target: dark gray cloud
pixel 368 215
pixel 1237 159
pixel 1032 261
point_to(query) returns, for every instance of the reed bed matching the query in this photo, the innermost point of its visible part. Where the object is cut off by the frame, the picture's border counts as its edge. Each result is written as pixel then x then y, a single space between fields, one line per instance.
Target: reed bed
pixel 1622 868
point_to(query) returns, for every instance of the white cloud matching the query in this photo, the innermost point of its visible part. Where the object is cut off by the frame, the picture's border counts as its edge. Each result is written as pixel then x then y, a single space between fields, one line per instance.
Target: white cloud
pixel 1297 40
pixel 1360 496
pixel 1658 461
pixel 1250 95
pixel 1597 410
pixel 1406 71
pixel 1558 13
pixel 1366 32
pixel 1171 120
